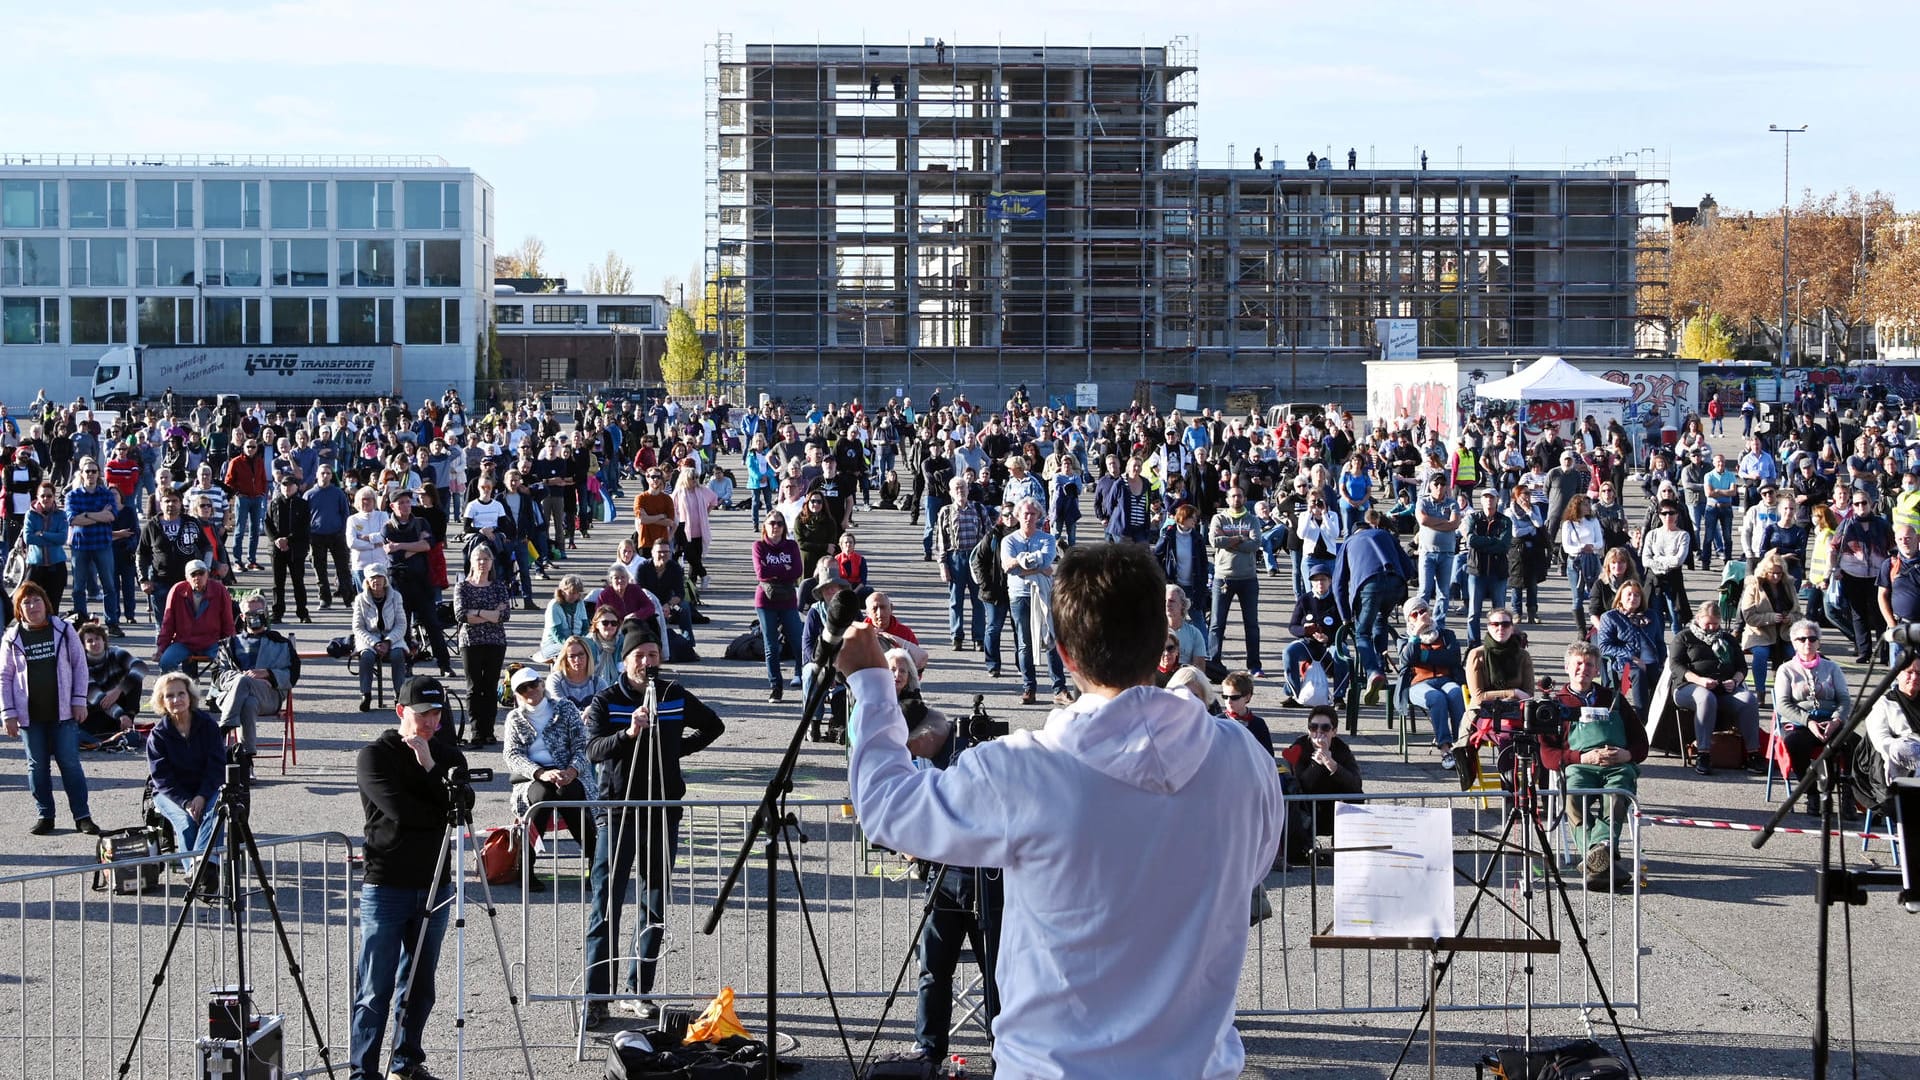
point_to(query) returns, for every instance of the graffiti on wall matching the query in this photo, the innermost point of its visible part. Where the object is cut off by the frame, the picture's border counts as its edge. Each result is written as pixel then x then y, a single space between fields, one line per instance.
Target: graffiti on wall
pixel 1653 392
pixel 1429 401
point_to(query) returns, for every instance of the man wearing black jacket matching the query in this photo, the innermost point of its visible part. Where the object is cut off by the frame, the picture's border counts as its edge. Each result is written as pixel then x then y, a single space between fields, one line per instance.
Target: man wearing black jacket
pixel 403 790
pixel 636 755
pixel 289 529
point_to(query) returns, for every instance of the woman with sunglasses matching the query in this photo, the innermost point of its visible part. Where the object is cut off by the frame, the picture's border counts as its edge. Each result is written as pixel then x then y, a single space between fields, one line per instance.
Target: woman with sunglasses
pixel 1323 764
pixel 1431 673
pixel 1581 540
pixel 777 564
pixel 603 644
pixel 1810 699
pixel 1499 677
pixel 546 755
pixel 815 530
pixel 1865 544
pixel 1664 551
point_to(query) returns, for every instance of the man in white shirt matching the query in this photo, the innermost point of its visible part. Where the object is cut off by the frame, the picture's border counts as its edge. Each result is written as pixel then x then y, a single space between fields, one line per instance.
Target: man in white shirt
pixel 1156 823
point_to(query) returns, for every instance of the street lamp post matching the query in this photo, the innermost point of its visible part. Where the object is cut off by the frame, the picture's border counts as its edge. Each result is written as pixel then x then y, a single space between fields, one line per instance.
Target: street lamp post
pixel 1786 248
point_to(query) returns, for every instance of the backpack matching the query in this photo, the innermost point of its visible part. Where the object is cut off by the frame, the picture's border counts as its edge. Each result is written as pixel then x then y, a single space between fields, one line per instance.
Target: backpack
pixel 1583 1060
pixel 1315 688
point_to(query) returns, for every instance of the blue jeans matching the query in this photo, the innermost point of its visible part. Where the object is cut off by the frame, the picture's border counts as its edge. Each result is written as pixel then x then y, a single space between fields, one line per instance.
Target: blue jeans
pixel 47 745
pixel 950 928
pixel 995 616
pixel 248 518
pixel 190 837
pixel 960 587
pixel 613 859
pixel 931 509
pixel 93 568
pixel 1716 525
pixel 390 920
pixel 174 657
pixel 1225 592
pixel 126 576
pixel 1481 587
pixel 1273 541
pixel 776 623
pixel 1581 570
pixel 1446 705
pixel 1023 648
pixel 1762 666
pixel 761 501
pixel 1069 532
pixel 1436 583
pixel 1372 607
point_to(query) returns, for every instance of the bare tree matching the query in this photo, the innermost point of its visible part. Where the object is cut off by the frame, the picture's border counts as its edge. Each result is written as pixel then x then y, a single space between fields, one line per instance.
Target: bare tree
pixel 527 261
pixel 611 275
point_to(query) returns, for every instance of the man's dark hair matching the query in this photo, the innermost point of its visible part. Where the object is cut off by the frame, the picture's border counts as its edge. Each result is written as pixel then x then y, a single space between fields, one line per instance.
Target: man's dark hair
pixel 1109 611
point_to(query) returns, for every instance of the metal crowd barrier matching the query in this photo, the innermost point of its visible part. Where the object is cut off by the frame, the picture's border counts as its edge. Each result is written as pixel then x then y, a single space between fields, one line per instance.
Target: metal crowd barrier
pixel 79 963
pixel 1284 975
pixel 864 905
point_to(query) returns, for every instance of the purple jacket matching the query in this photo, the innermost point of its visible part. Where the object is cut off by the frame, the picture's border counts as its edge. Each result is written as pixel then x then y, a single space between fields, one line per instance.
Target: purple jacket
pixel 71 658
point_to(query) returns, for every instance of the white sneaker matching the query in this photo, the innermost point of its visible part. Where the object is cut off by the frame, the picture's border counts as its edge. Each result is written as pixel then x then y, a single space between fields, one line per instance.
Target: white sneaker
pixel 639 1010
pixel 1446 760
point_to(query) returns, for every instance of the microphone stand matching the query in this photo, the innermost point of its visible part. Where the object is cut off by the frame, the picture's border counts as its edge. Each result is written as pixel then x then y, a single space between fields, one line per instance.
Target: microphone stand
pixel 1831 886
pixel 772 821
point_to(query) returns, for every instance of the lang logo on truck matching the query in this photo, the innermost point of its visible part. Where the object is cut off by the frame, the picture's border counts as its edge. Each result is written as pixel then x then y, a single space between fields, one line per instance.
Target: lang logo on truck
pixel 286 363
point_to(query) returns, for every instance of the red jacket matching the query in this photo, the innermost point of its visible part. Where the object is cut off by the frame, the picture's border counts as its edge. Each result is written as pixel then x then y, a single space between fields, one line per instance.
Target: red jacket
pixel 202 632
pixel 247 476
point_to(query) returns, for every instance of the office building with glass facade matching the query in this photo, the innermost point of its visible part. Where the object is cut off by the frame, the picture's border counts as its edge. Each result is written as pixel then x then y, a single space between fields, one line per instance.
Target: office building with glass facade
pixel 98 251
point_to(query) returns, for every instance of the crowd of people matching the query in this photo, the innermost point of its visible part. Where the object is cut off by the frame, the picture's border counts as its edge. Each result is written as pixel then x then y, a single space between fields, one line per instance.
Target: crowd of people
pixel 1405 562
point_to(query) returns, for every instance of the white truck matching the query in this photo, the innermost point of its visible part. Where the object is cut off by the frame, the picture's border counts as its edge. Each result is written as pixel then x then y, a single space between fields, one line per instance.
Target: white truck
pixel 268 372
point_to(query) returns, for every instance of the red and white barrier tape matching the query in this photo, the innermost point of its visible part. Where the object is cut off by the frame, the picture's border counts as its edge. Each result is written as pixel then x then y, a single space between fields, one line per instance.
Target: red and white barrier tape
pixel 1735 826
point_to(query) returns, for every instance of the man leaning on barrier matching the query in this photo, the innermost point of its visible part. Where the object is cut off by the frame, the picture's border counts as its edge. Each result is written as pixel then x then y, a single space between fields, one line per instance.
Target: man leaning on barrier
pixel 404 793
pixel 637 756
pixel 1604 744
pixel 1131 792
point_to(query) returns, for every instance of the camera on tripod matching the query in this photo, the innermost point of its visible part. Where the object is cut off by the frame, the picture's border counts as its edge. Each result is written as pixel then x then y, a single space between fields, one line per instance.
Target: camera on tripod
pixel 460 781
pixel 981 727
pixel 1548 718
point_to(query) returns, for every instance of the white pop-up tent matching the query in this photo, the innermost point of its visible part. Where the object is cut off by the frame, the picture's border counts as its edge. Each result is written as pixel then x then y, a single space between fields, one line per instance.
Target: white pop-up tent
pixel 1553 379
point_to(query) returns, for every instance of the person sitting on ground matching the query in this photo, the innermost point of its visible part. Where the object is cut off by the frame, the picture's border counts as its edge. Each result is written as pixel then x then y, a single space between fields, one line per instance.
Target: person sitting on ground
pixel 114 679
pixel 1169 660
pixel 197 617
pixel 1431 676
pixel 1810 696
pixel 574 676
pixel 253 670
pixel 1236 690
pixel 1195 682
pixel 186 761
pixel 1602 748
pixel 1708 673
pixel 1316 618
pixel 1322 764
pixel 604 643
pixel 1500 681
pixel 546 754
pixel 567 615
pixel 1192 639
pixel 662 575
pixel 622 597
pixel 379 632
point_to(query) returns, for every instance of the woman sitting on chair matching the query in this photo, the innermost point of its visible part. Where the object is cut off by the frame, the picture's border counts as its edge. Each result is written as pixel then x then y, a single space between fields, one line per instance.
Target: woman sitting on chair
pixel 1632 644
pixel 547 757
pixel 186 759
pixel 1708 673
pixel 1767 608
pixel 1430 667
pixel 1499 683
pixel 1323 764
pixel 1810 699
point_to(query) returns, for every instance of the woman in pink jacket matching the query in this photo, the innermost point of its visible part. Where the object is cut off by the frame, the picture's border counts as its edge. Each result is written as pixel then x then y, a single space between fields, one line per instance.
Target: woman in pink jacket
pixel 43 693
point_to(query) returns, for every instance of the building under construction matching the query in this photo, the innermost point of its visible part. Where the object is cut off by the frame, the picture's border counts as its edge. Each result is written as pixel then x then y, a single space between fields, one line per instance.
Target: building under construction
pixel 885 219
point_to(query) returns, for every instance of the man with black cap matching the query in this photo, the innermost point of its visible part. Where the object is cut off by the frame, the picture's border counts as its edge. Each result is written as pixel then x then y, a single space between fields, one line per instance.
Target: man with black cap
pixel 636 754
pixel 403 790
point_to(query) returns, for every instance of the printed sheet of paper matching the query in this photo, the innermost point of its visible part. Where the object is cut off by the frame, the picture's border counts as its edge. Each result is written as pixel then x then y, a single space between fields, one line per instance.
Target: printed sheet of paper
pixel 1406 888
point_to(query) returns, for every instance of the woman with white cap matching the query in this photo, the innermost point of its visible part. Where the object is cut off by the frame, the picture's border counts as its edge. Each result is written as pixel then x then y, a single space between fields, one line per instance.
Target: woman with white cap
pixel 547 756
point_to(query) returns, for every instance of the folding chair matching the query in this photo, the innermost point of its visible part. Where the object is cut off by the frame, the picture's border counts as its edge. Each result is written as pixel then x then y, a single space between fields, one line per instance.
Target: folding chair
pixel 1778 758
pixel 1866 830
pixel 287 743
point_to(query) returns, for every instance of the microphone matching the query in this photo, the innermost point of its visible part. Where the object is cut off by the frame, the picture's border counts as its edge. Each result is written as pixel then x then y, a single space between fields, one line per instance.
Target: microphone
pixel 1906 635
pixel 842 612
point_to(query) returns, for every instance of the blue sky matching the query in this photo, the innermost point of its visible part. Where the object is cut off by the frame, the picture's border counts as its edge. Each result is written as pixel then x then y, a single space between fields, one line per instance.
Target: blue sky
pixel 587 115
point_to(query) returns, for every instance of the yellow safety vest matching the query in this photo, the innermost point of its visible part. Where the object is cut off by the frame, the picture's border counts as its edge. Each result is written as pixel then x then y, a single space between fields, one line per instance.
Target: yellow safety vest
pixel 1906 509
pixel 1820 556
pixel 1464 467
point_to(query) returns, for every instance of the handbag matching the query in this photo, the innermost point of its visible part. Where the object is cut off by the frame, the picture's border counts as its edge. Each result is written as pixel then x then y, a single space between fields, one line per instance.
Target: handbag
pixel 500 856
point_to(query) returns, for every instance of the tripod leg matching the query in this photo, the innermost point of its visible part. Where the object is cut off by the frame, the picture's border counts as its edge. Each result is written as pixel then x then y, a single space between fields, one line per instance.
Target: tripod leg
pixel 499 944
pixel 173 942
pixel 1593 969
pixel 242 834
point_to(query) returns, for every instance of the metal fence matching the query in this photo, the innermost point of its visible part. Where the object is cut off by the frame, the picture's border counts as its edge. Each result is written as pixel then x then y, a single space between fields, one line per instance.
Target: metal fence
pixel 865 905
pixel 78 964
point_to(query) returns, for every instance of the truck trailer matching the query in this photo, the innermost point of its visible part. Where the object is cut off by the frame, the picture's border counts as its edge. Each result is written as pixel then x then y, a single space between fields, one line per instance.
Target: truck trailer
pixel 133 373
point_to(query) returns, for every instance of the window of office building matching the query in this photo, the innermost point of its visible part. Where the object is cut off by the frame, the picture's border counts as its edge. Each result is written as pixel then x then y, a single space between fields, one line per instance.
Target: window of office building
pixel 30 320
pixel 165 320
pixel 366 320
pixel 164 262
pixel 233 320
pixel 433 321
pixel 366 204
pixel 30 204
pixel 559 313
pixel 299 320
pixel 626 314
pixel 235 263
pixel 433 264
pixel 97 204
pixel 30 261
pixel 300 264
pixel 432 204
pixel 509 314
pixel 299 204
pixel 556 368
pixel 231 204
pixel 99 263
pixel 366 264
pixel 98 320
pixel 163 204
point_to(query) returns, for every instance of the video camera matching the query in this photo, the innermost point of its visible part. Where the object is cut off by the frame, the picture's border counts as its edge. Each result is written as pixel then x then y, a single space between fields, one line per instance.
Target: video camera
pixel 981 727
pixel 460 781
pixel 1548 717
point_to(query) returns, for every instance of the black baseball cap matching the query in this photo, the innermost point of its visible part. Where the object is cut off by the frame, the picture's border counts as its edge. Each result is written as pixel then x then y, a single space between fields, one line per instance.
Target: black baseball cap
pixel 423 692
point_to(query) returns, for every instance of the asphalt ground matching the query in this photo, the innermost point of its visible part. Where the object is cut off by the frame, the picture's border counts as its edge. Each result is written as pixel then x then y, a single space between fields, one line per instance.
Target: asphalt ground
pixel 1726 932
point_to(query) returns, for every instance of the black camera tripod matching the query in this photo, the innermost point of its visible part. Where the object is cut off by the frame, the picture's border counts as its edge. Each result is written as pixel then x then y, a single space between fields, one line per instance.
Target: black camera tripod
pixel 223 890
pixel 1526 804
